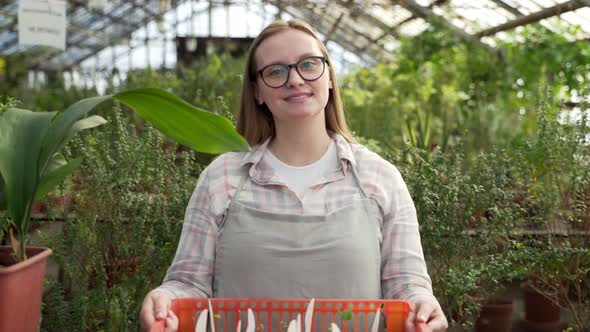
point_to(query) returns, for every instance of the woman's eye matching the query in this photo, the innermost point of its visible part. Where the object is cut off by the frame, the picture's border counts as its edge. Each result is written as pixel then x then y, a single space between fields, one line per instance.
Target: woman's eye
pixel 278 71
pixel 308 64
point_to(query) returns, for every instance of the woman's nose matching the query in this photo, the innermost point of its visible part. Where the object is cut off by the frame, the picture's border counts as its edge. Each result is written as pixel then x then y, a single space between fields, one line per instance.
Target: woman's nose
pixel 294 77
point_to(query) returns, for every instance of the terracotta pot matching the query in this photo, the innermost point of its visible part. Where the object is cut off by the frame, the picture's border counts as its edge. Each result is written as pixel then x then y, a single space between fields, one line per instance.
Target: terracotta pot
pixel 540 313
pixel 21 286
pixel 495 317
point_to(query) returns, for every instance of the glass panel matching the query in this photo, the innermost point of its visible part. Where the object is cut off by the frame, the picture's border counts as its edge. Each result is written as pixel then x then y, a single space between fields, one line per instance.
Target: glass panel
pixel 414 27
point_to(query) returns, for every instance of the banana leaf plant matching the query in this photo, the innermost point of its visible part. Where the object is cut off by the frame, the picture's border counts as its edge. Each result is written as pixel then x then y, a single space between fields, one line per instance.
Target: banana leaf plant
pixel 31 165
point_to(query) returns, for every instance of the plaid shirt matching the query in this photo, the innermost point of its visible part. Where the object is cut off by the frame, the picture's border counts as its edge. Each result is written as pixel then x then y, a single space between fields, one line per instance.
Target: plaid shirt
pixel 403 270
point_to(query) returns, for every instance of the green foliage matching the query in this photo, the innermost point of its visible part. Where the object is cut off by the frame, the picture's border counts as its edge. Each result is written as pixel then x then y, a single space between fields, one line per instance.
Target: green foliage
pixel 371 144
pixel 487 204
pixel 472 209
pixel 553 176
pixel 129 195
pixel 45 92
pixel 7 102
pixel 30 141
pixel 437 90
pixel 479 141
pixel 474 281
pixel 428 99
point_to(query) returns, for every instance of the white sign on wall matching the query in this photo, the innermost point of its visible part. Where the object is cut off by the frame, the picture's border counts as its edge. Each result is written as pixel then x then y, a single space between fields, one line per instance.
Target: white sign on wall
pixel 42 22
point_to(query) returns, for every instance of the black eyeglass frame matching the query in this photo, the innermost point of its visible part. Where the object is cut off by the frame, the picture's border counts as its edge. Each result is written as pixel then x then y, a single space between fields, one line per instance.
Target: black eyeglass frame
pixel 294 65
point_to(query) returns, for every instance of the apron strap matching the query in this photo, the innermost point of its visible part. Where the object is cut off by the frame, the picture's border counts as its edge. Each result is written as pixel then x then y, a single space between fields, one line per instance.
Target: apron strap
pixel 233 199
pixel 366 205
pixel 358 181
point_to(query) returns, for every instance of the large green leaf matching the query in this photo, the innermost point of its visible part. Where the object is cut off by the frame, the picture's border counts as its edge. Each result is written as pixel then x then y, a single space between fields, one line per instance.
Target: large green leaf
pixel 65 124
pixel 21 140
pixel 198 129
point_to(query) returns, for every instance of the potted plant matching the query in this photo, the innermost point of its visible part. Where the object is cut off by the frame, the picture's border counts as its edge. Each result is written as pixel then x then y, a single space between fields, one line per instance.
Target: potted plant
pixel 557 279
pixel 31 165
pixel 495 272
pixel 542 303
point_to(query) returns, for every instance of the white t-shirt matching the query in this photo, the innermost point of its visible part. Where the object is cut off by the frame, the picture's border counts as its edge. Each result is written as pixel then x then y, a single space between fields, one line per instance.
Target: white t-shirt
pixel 299 178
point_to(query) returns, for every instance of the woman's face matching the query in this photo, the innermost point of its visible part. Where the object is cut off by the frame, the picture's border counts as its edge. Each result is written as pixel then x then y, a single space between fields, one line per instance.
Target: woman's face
pixel 298 98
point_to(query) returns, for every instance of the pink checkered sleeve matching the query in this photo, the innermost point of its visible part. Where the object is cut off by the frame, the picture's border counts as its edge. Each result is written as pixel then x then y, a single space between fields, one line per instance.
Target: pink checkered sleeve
pixel 403 270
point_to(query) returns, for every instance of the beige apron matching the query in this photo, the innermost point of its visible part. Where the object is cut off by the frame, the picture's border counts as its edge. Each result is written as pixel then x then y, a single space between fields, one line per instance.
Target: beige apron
pixel 270 255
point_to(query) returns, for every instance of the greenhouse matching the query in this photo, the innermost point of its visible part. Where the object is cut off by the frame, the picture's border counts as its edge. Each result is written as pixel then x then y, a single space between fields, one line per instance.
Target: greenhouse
pixel 292 165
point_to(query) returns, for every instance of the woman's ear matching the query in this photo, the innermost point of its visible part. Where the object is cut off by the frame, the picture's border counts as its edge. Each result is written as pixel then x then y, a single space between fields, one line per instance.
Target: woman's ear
pixel 330 84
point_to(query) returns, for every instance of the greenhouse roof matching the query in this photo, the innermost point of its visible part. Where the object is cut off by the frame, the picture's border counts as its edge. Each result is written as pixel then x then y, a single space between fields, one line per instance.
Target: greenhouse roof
pixel 369 29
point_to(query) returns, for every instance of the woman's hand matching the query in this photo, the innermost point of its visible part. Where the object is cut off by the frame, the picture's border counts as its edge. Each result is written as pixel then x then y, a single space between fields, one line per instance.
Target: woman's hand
pixel 156 306
pixel 171 322
pixel 428 312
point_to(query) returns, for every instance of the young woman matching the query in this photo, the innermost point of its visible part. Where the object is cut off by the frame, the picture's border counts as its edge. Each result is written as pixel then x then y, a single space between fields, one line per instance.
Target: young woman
pixel 307 212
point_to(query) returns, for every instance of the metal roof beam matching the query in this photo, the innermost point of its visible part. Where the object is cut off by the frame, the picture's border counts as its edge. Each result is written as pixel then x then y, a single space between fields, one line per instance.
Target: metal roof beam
pixel 394 28
pixel 386 28
pixel 428 15
pixel 507 7
pixel 536 17
pixel 333 28
pixel 371 41
pixel 342 39
pixel 312 16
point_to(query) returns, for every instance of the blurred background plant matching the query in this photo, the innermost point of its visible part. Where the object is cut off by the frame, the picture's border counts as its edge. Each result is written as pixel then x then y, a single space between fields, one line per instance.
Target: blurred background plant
pixel 128 199
pixel 554 174
pixel 437 90
pixel 471 209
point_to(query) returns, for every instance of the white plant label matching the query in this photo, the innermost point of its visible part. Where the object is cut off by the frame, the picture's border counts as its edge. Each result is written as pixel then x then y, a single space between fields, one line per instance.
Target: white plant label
pixel 42 22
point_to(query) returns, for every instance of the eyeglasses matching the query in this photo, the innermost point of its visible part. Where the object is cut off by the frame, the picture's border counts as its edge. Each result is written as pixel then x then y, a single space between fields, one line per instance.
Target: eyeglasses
pixel 309 68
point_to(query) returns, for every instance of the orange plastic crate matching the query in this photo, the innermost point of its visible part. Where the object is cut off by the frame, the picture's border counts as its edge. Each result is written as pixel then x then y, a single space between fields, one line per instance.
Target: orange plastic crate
pixel 326 311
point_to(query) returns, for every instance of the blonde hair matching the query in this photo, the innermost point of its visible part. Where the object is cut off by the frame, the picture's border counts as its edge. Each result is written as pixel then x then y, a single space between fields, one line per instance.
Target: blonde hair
pixel 255 122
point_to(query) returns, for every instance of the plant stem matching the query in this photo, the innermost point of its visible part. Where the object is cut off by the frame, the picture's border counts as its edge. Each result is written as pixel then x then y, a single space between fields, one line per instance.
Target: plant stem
pixel 19 247
pixel 16 246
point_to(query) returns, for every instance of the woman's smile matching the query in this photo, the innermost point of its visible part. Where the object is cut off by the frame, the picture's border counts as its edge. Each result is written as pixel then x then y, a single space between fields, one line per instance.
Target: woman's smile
pixel 298 97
